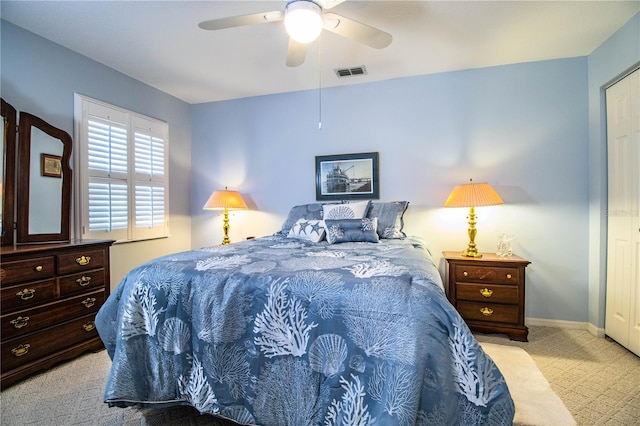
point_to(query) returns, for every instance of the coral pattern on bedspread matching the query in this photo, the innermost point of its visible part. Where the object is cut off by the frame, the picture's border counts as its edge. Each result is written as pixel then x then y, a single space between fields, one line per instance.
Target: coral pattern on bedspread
pixel 281 331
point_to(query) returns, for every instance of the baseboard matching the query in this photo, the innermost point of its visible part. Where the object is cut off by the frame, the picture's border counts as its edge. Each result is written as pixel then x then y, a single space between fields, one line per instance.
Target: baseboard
pixel 598 332
pixel 542 322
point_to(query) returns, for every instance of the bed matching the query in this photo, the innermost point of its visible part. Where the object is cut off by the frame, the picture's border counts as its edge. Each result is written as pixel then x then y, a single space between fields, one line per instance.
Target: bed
pixel 331 321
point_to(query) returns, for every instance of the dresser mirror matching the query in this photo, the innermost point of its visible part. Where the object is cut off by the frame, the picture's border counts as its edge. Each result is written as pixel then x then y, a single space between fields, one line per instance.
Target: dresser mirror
pixel 43 192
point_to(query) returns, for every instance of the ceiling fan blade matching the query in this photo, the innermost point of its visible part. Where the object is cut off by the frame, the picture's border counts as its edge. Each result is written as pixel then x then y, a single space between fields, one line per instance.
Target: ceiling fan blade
pixel 328 4
pixel 242 20
pixel 296 53
pixel 354 30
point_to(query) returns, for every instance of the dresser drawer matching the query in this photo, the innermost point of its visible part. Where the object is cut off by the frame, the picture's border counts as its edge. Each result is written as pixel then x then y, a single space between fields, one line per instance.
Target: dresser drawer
pixel 488 312
pixel 27 294
pixel 81 260
pixel 81 283
pixel 490 274
pixel 487 293
pixel 21 271
pixel 32 347
pixel 30 320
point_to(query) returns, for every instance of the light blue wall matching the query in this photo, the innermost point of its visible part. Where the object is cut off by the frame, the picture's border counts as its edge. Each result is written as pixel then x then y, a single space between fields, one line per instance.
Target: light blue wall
pixel 534 131
pixel 41 77
pixel 523 128
pixel 613 59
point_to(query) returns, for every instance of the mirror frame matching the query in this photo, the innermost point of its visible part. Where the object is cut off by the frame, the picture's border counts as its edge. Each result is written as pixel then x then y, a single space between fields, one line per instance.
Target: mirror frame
pixel 9 179
pixel 27 121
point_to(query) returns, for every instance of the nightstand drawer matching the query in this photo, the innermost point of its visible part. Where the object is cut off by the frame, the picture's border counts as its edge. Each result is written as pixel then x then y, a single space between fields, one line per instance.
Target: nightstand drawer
pixel 490 274
pixel 490 312
pixel 487 293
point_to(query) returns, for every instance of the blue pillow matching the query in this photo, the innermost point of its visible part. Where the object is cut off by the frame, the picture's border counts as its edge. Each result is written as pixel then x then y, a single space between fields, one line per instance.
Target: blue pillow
pixel 311 211
pixel 351 230
pixel 390 218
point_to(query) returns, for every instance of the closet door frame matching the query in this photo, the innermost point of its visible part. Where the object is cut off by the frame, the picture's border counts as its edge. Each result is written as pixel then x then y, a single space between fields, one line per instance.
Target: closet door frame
pixel 622 318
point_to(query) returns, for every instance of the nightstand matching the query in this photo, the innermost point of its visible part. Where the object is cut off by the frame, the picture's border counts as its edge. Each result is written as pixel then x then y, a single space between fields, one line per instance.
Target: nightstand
pixel 488 292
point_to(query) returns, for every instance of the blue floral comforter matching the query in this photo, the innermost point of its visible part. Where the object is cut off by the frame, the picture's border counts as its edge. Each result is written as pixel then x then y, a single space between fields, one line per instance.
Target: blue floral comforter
pixel 279 331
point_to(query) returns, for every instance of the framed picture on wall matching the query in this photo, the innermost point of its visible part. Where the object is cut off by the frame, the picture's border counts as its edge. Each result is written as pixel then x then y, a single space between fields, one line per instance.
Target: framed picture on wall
pixel 347 176
pixel 51 165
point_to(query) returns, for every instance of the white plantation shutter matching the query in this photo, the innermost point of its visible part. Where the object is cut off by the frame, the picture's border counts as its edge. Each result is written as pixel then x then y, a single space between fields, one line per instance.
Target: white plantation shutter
pixel 108 206
pixel 149 206
pixel 123 190
pixel 149 155
pixel 107 148
pixel 150 181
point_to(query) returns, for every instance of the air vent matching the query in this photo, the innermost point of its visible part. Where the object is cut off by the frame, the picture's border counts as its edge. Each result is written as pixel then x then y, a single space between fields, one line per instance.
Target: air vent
pixel 346 72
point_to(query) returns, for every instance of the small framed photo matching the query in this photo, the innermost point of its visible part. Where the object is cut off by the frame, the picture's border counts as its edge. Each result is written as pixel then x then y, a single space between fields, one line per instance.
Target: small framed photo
pixel 347 176
pixel 51 165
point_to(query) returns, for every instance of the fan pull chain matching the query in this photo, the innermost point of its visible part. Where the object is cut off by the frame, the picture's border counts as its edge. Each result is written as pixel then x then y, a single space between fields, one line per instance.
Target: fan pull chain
pixel 320 83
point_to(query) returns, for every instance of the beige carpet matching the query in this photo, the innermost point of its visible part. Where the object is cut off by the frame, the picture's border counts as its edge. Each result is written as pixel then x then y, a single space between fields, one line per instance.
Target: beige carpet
pixel 536 403
pixel 71 394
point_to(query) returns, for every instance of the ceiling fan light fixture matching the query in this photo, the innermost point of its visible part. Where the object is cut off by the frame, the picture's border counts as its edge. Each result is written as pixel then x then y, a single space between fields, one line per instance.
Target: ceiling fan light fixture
pixel 303 20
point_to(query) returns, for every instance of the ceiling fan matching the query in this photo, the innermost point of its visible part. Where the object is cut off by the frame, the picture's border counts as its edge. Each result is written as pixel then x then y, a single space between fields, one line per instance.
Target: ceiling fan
pixel 304 20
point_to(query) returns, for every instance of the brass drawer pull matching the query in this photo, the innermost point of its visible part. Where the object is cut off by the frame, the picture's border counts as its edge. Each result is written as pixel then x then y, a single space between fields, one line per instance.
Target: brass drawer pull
pixel 486 311
pixel 89 326
pixel 83 281
pixel 509 276
pixel 465 273
pixel 20 322
pixel 26 294
pixel 486 292
pixel 21 349
pixel 83 260
pixel 89 302
pixel 39 268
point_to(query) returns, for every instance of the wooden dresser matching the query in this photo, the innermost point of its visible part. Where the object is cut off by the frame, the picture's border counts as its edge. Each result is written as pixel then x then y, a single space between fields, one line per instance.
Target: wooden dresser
pixel 50 296
pixel 488 292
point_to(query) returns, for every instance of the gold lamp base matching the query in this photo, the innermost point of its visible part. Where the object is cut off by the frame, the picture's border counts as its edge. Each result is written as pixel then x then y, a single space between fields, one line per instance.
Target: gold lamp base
pixel 225 228
pixel 472 250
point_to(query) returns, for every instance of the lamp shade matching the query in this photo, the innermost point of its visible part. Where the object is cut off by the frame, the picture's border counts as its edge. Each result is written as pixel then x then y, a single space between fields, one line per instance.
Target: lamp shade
pixel 225 199
pixel 473 195
pixel 303 21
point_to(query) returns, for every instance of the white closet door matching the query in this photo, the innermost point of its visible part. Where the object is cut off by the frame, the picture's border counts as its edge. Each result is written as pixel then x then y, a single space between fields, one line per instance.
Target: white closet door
pixel 623 213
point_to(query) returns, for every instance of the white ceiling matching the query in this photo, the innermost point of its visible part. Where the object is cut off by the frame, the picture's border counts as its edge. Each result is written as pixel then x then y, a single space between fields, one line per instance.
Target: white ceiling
pixel 159 42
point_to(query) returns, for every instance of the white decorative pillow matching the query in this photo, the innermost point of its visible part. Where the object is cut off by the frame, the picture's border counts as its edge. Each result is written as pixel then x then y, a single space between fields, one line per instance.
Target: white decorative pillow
pixel 310 230
pixel 345 211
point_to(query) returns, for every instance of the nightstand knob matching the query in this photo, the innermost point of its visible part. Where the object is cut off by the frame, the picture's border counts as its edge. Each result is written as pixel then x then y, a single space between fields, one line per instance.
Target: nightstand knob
pixel 486 292
pixel 486 311
pixel 465 273
pixel 509 276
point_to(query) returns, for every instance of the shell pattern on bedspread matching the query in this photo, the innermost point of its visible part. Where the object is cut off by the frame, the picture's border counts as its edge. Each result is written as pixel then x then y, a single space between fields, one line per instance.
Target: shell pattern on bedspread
pixel 282 331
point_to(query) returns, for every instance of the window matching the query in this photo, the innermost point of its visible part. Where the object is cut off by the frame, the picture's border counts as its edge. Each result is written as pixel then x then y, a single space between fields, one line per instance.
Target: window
pixel 122 184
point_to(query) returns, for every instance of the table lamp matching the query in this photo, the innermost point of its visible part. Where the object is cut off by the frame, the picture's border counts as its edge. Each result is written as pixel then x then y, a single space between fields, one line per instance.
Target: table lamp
pixel 225 200
pixel 472 195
